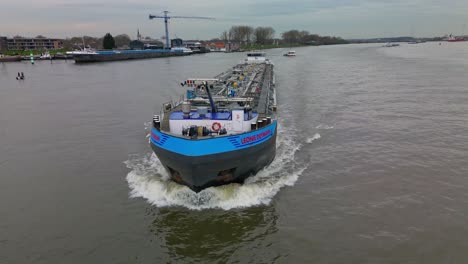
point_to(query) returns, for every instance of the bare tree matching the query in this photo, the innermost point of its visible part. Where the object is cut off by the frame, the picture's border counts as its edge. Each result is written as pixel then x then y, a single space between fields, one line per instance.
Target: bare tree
pixel 264 35
pixel 291 36
pixel 247 33
pixel 241 33
pixel 303 36
pixel 225 36
pixel 235 33
pixel 122 40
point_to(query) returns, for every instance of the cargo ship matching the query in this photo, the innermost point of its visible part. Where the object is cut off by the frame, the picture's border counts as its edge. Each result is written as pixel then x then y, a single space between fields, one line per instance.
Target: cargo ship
pixel 451 38
pixel 89 55
pixel 223 129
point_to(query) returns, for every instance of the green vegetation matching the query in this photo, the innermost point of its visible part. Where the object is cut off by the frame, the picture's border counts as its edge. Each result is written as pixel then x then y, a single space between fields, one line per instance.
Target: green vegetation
pixel 34 52
pixel 305 38
pixel 108 42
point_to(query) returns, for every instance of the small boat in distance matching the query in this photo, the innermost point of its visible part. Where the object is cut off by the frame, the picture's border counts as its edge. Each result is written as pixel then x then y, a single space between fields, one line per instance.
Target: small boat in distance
pixel 391 44
pixel 417 42
pixel 45 56
pixel 62 56
pixel 85 50
pixel 290 53
pixel 224 128
pixel 451 38
pixel 182 49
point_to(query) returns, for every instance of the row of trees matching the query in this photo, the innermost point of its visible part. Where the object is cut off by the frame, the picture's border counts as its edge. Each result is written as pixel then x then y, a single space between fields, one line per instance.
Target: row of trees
pixel 245 35
pixel 304 37
pixel 248 35
pixel 121 40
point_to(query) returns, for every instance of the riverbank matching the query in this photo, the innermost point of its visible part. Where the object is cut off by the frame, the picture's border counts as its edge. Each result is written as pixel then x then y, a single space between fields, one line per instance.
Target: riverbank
pixel 270 46
pixel 34 52
pixel 282 46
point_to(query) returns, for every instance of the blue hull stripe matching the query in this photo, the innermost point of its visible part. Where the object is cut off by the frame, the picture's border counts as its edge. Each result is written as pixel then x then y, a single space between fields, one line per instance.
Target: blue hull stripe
pixel 112 52
pixel 211 146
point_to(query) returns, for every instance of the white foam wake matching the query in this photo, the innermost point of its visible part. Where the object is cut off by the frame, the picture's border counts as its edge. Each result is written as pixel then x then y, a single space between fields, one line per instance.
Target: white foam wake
pixel 148 129
pixel 149 180
pixel 312 139
pixel 323 126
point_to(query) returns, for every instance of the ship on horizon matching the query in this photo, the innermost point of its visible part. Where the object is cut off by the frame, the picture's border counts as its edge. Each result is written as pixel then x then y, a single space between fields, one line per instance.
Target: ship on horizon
pixel 452 38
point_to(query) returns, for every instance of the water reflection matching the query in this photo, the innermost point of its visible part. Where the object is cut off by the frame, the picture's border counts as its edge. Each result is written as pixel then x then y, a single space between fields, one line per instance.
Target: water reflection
pixel 3 69
pixel 215 235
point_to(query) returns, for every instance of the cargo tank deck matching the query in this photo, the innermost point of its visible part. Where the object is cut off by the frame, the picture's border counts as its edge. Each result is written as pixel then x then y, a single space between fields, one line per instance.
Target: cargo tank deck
pixel 243 85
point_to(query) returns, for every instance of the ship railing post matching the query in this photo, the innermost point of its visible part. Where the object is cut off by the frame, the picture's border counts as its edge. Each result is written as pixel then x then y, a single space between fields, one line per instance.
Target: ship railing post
pixel 157 122
pixel 259 124
pixel 253 126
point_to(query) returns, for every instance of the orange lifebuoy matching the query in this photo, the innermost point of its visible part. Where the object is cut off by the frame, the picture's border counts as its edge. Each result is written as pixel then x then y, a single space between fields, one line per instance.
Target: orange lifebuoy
pixel 216 126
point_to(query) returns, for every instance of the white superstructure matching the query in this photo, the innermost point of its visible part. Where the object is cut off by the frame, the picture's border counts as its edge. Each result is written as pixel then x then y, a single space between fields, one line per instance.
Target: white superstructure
pixel 256 57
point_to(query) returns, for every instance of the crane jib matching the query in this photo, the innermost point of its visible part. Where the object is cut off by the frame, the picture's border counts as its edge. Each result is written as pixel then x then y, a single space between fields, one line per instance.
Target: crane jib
pixel 166 17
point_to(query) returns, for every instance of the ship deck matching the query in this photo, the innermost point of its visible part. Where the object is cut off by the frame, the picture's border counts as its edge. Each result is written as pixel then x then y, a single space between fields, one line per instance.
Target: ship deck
pixel 242 85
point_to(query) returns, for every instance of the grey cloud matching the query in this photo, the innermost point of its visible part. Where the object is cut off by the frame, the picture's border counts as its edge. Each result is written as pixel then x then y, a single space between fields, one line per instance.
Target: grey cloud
pixel 335 17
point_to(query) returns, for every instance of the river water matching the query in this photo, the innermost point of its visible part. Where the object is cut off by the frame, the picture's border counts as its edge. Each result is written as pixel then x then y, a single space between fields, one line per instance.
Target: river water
pixel 372 163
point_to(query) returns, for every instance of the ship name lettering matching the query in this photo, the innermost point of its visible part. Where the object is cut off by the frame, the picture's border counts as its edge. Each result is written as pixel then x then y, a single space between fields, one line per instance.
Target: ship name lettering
pixel 256 137
pixel 156 137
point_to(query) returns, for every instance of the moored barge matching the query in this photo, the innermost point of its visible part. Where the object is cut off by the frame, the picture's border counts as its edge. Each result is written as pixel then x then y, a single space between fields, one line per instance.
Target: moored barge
pixel 116 55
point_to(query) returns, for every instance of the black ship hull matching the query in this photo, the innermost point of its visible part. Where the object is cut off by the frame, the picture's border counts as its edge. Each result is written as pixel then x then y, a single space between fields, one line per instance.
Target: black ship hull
pixel 200 172
pixel 84 58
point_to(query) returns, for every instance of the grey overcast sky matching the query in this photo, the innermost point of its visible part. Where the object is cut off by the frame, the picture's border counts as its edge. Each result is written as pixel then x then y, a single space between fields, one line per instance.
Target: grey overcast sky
pixel 345 18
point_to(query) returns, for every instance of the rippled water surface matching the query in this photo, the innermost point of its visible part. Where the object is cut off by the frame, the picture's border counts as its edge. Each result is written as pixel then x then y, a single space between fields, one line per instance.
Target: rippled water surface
pixel 371 167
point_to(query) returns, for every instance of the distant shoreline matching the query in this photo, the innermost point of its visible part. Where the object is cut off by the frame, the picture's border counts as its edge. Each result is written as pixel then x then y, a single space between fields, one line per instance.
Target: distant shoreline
pixel 283 46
